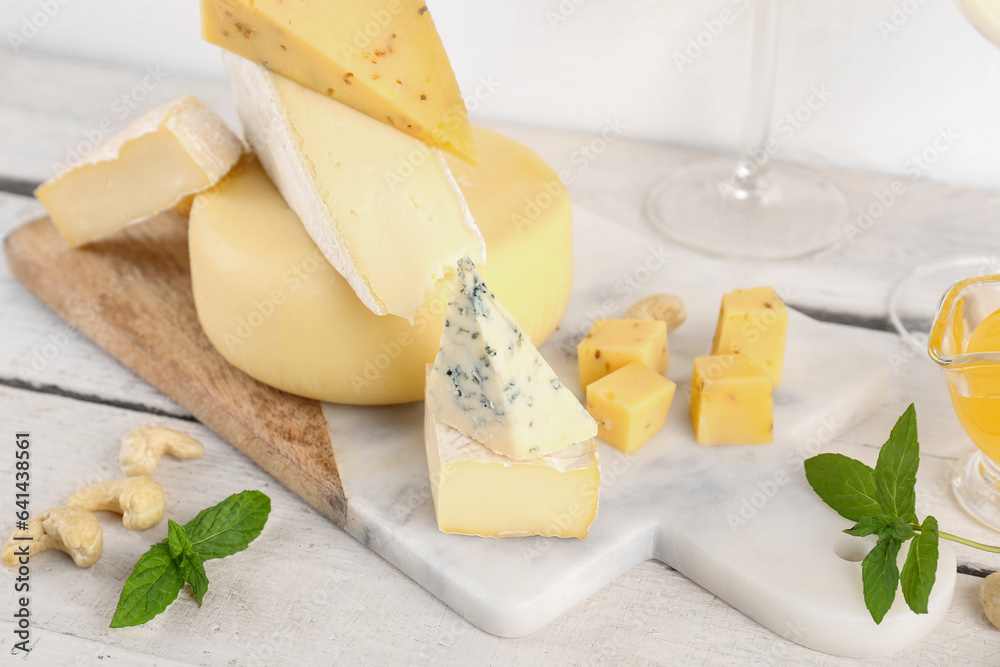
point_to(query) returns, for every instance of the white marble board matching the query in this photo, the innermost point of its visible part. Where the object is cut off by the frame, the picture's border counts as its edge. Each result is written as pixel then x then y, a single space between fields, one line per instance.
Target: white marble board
pixel 739 520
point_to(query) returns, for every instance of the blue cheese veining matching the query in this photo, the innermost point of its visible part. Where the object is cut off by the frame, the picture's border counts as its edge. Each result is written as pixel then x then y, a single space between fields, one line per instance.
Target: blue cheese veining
pixel 490 383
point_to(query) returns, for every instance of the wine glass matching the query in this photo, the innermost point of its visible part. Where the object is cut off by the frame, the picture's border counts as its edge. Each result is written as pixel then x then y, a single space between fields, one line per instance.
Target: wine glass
pixel 753 208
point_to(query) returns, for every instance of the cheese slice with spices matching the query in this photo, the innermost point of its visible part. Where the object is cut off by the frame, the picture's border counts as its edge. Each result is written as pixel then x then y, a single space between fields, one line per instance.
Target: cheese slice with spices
pixel 381 57
pixel 491 384
pixel 170 152
pixel 383 207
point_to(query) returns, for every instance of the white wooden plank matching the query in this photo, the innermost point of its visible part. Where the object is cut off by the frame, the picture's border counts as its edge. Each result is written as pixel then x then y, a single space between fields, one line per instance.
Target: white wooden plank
pixel 53 648
pixel 307 592
pixel 41 350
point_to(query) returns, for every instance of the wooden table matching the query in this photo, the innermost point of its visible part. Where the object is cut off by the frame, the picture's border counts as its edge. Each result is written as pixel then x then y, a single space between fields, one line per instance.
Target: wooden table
pixel 308 593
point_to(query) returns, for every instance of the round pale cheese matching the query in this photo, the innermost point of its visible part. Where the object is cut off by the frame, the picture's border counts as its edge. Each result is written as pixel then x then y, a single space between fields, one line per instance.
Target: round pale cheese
pixel 274 308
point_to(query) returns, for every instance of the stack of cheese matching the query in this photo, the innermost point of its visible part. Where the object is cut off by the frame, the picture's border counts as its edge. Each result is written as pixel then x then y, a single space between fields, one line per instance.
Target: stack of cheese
pixel 509 448
pixel 320 268
pixel 380 203
pixel 348 106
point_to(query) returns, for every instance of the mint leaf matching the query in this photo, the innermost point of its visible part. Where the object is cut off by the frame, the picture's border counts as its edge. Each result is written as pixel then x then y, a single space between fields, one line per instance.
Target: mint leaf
pixel 883 502
pixel 869 525
pixel 160 574
pixel 845 484
pixel 880 577
pixel 920 568
pixel 153 585
pixel 230 526
pixel 896 470
pixel 194 573
pixel 191 567
pixel 899 530
pixel 177 540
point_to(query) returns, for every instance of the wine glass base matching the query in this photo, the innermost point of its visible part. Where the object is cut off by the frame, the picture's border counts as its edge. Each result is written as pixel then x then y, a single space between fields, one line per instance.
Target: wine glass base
pixel 796 213
pixel 914 301
pixel 977 492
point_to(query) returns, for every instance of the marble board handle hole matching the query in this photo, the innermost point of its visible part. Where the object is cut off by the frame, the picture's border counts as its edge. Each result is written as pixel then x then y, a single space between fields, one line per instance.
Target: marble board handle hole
pixel 854 549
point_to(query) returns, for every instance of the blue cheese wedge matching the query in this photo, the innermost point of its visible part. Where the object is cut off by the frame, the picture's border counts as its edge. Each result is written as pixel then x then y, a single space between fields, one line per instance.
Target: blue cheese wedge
pixel 491 384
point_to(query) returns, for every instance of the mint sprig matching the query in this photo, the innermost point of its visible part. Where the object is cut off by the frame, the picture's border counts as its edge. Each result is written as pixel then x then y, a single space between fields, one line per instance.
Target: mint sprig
pixel 882 501
pixel 160 573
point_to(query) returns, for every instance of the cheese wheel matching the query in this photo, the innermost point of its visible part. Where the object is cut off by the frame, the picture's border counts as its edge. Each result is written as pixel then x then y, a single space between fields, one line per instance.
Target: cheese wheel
pixel 275 308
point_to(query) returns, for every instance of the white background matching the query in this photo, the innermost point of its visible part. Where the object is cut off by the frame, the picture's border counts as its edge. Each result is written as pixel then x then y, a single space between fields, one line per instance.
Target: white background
pixel 897 73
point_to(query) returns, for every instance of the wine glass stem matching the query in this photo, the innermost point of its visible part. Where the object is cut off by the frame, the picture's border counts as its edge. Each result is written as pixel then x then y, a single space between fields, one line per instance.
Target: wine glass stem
pixel 748 176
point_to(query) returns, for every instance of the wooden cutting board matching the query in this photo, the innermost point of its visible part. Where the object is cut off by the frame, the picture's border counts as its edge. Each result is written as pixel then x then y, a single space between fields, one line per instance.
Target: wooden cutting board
pixel 131 294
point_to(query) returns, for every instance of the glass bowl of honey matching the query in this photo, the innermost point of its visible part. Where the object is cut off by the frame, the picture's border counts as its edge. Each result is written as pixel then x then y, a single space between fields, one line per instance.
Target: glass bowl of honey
pixel 965 344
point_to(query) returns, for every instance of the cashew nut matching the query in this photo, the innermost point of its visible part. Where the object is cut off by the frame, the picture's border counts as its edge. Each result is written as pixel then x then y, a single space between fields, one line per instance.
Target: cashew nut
pixel 990 593
pixel 139 500
pixel 142 448
pixel 666 307
pixel 70 529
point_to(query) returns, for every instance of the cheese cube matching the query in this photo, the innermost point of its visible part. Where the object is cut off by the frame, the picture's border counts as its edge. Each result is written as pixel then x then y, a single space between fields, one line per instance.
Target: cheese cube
pixel 731 401
pixel 611 344
pixel 630 405
pixel 754 322
pixel 477 491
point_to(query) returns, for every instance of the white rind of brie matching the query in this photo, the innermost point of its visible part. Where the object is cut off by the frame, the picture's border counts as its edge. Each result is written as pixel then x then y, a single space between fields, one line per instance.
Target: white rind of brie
pixel 456 447
pixel 399 284
pixel 202 133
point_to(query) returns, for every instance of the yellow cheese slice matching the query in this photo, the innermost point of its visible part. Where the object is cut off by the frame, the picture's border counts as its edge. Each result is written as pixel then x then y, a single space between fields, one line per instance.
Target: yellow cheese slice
pixel 276 309
pixel 477 491
pixel 383 208
pixel 155 163
pixel 381 57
